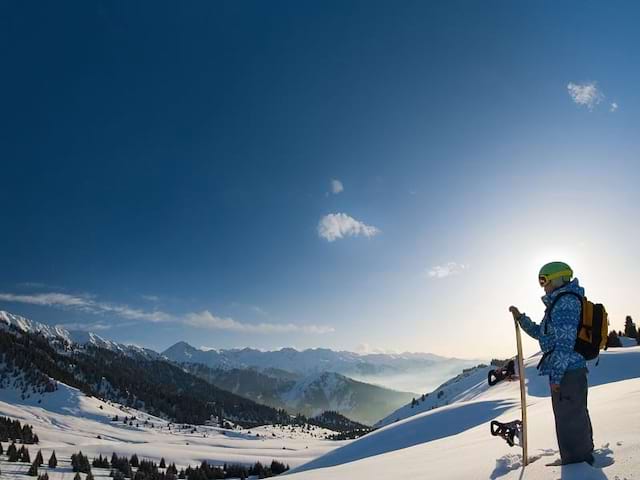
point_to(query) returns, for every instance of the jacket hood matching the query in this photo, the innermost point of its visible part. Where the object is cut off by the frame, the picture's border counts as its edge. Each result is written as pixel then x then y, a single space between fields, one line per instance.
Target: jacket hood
pixel 573 286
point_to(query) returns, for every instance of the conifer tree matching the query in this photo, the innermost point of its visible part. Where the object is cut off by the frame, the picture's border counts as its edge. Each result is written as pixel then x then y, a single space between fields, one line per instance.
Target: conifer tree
pixel 613 340
pixel 39 460
pixel 44 476
pixel 630 329
pixel 12 453
pixel 162 463
pixel 77 476
pixel 33 469
pixel 1 449
pixel 53 461
pixel 24 455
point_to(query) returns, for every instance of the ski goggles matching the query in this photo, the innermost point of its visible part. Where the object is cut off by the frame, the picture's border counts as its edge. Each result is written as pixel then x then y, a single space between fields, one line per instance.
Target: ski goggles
pixel 544 279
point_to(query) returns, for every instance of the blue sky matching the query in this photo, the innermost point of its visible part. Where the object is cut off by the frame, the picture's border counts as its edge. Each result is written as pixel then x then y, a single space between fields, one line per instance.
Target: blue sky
pixel 354 175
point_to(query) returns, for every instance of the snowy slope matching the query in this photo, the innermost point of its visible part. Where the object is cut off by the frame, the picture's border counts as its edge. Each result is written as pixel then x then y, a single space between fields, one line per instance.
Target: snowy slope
pixel 453 442
pixel 628 342
pixel 67 421
pixel 466 386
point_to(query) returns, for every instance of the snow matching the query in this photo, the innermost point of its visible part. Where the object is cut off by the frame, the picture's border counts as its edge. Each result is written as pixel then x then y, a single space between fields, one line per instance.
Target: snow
pixel 628 342
pixel 67 421
pixel 453 442
pixel 24 324
pixel 465 386
pixel 67 339
pixel 402 372
pixel 444 437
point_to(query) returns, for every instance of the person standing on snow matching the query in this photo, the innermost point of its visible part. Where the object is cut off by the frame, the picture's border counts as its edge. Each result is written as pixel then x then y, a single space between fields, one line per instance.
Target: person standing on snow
pixel 566 368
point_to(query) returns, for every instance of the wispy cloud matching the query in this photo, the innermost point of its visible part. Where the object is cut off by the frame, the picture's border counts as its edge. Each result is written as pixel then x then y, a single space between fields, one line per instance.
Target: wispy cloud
pixel 205 319
pixel 336 186
pixel 585 94
pixel 91 327
pixel 38 285
pixel 613 107
pixel 339 225
pixel 85 303
pixel 150 298
pixel 446 270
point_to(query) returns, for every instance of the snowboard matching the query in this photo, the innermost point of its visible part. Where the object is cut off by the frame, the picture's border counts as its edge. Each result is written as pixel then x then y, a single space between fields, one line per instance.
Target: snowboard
pixel 523 394
pixel 515 432
pixel 507 372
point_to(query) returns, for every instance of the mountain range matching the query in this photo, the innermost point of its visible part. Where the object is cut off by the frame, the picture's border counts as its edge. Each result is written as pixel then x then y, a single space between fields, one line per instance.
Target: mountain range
pixel 304 382
pixel 409 372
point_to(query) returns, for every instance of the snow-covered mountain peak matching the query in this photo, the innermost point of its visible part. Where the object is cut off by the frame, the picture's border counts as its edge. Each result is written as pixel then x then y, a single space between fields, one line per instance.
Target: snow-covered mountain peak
pixel 29 326
pixel 68 339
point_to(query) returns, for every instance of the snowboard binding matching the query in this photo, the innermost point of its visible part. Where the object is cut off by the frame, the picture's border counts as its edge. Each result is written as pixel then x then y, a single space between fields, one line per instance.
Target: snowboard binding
pixel 498 374
pixel 510 431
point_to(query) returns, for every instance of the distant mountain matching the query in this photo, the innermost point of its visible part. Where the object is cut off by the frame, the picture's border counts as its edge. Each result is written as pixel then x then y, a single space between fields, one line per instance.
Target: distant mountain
pixel 407 371
pixel 66 340
pixel 306 394
pixel 35 358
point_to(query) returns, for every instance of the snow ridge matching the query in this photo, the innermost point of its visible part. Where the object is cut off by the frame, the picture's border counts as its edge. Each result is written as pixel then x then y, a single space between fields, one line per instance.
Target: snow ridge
pixel 64 339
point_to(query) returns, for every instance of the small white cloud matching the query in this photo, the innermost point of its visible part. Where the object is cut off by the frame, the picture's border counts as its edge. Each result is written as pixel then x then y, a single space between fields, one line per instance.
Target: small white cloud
pixel 586 94
pixel 339 225
pixel 447 270
pixel 206 319
pixel 613 107
pixel 336 186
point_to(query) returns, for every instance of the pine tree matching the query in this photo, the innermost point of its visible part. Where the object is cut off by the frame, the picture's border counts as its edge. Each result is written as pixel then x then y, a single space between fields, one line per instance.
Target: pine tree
pixel 162 463
pixel 33 469
pixel 630 329
pixel 53 461
pixel 39 460
pixel 24 455
pixel 89 476
pixel 1 449
pixel 77 476
pixel 44 476
pixel 613 340
pixel 12 453
pixel 134 461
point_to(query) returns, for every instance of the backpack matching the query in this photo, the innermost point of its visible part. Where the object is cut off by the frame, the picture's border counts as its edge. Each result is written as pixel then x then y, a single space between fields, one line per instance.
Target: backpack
pixel 593 328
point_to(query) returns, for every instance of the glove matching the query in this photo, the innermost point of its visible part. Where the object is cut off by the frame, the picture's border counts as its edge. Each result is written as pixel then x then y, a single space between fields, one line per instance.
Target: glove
pixel 515 312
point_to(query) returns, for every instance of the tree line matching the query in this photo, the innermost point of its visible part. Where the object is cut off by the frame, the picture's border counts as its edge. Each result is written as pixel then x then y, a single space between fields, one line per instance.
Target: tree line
pixel 133 468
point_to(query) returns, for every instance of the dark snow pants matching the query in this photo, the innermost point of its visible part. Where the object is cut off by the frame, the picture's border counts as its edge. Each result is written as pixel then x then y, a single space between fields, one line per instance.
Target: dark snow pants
pixel 573 425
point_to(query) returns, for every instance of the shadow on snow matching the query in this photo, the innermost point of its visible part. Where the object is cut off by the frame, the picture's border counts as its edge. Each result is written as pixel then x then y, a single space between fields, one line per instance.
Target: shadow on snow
pixel 422 428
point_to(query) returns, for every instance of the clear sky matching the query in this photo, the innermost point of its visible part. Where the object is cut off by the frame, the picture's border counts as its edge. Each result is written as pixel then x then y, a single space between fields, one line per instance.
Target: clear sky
pixel 354 175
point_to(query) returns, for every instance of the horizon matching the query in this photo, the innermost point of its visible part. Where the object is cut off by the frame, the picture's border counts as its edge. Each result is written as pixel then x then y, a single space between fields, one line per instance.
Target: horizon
pixel 204 348
pixel 342 175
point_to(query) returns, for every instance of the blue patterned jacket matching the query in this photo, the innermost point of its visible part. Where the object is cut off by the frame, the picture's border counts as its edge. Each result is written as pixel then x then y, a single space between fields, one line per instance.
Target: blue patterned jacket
pixel 561 334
